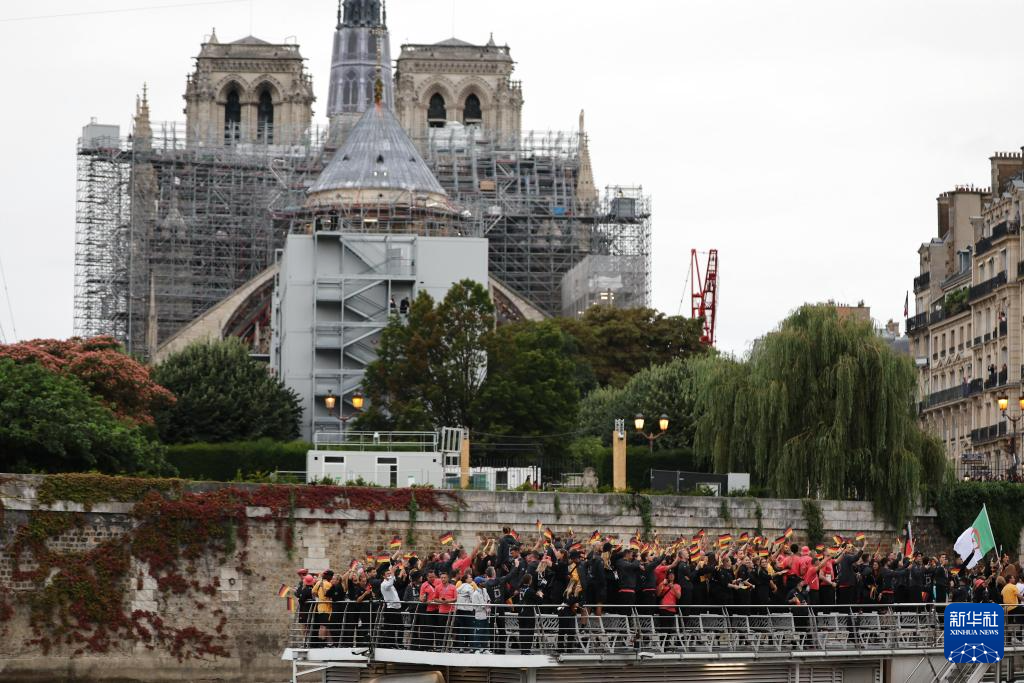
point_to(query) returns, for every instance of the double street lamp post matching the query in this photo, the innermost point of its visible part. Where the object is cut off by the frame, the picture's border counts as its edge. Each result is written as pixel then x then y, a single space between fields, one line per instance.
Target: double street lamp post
pixel 651 437
pixel 331 401
pixel 1004 403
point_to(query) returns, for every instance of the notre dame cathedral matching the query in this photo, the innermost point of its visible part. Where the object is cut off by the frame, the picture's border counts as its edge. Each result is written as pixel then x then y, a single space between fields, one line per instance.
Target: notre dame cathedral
pixel 178 224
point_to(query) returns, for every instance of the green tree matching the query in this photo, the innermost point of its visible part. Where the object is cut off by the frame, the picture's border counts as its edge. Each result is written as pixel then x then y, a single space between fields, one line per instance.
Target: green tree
pixel 822 408
pixel 619 342
pixel 430 366
pixel 51 422
pixel 665 389
pixel 530 389
pixel 224 395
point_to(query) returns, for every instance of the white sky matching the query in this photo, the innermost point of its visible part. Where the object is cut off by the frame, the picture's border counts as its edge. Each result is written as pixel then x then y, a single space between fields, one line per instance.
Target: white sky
pixel 805 140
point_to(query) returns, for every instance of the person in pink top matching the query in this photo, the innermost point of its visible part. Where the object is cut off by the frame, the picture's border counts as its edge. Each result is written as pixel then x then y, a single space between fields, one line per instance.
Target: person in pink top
pixel 811 579
pixel 669 593
pixel 445 596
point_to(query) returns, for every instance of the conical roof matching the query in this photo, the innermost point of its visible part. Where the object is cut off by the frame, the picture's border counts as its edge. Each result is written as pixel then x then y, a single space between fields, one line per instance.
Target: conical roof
pixel 379 155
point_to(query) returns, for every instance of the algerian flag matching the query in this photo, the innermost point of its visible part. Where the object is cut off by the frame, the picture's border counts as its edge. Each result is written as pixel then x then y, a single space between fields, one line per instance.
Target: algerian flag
pixel 975 541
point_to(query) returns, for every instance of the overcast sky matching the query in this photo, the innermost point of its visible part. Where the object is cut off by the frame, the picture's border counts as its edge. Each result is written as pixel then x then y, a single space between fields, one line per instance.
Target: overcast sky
pixel 806 141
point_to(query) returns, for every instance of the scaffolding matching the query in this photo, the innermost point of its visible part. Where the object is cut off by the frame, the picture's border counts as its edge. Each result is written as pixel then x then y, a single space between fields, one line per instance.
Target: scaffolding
pixel 165 229
pixel 521 193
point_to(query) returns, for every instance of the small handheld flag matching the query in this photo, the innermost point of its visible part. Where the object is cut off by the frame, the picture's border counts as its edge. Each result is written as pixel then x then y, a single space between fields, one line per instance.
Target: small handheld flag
pixel 382 558
pixel 788 533
pixel 291 604
pixel 395 544
pixel 744 537
pixel 549 534
pixel 539 525
pixel 447 538
pixel 860 537
pixel 837 539
pixel 283 591
pixel 595 537
pixel 724 540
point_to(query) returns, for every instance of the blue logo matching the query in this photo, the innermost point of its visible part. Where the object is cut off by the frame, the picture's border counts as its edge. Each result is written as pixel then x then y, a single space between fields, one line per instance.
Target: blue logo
pixel 974 633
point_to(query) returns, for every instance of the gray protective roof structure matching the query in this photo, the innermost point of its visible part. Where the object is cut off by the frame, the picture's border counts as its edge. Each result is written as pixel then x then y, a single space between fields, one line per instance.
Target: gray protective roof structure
pixel 377 154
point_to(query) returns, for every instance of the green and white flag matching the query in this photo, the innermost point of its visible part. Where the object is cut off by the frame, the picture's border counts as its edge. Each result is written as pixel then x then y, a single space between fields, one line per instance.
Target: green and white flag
pixel 975 541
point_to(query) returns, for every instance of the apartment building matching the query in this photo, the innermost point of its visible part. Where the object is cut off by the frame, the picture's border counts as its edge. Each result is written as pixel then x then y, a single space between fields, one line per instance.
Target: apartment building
pixel 965 335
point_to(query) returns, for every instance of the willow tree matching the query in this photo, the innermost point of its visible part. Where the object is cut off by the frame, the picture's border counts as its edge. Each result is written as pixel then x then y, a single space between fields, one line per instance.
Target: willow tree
pixel 821 408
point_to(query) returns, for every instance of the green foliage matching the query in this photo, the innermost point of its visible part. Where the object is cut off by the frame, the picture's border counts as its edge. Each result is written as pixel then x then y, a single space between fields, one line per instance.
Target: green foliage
pixel 89 488
pixel 759 514
pixel 815 521
pixel 237 460
pixel 588 451
pixel 50 422
pixel 653 391
pixel 955 301
pixel 558 507
pixel 723 511
pixel 960 502
pixel 413 509
pixel 530 389
pixel 643 507
pixel 224 395
pixel 619 342
pixel 430 366
pixel 822 409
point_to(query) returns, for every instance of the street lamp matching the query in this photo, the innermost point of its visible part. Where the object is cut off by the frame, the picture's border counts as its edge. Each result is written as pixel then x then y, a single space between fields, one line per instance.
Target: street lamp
pixel 1004 403
pixel 638 422
pixel 330 401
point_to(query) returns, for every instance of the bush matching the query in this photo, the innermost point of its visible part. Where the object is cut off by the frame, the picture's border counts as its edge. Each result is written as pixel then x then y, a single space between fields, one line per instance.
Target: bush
pixel 226 461
pixel 588 452
pixel 960 502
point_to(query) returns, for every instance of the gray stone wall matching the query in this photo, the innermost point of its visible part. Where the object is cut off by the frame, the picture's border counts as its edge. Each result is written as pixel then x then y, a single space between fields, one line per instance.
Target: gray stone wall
pixel 257 620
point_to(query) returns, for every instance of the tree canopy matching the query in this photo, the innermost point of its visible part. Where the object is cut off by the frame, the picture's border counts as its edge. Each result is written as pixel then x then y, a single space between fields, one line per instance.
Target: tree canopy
pixel 822 408
pixel 430 365
pixel 530 388
pixel 122 383
pixel 223 394
pixel 619 342
pixel 50 422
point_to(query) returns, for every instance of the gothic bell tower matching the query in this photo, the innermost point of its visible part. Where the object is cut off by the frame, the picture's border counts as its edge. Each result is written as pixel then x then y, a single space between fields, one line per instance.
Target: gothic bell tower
pixel 360 40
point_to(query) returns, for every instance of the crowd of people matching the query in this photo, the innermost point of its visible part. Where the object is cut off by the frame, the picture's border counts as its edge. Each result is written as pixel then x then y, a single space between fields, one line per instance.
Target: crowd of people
pixel 419 602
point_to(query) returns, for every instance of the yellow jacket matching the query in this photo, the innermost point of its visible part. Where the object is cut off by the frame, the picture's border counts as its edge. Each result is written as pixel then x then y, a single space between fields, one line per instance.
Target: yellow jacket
pixel 323 603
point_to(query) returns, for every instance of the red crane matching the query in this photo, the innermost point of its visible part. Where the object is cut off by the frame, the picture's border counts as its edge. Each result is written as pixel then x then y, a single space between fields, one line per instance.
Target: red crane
pixel 704 294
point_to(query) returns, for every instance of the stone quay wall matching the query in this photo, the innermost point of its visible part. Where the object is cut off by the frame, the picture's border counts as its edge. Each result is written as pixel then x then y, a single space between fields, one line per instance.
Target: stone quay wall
pixel 243 612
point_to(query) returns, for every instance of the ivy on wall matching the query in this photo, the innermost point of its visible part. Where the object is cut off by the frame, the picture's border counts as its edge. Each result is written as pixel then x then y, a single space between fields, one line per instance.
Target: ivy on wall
pixel 171 529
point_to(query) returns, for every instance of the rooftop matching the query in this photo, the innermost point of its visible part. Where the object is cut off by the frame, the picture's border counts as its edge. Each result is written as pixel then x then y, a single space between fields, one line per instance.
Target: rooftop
pixel 378 155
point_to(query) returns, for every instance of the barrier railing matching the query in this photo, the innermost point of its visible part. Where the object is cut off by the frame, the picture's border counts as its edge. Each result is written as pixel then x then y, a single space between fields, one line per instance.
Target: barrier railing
pixel 564 631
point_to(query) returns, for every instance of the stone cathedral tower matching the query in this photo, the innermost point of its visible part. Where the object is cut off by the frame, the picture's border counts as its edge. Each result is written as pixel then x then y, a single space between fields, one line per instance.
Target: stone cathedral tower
pixel 361 43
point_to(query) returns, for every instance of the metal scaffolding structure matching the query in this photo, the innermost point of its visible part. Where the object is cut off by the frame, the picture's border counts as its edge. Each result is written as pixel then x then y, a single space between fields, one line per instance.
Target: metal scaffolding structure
pixel 522 193
pixel 167 228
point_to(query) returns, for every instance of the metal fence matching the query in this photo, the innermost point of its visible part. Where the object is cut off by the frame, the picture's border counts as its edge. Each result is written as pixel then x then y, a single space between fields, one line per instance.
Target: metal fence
pixel 705 629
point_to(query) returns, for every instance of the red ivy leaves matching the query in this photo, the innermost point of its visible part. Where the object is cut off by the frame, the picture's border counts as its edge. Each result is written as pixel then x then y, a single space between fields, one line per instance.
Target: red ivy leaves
pixel 84 604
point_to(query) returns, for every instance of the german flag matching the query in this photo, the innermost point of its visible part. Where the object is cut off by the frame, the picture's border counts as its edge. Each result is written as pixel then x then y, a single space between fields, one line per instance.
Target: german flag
pixel 744 537
pixel 758 540
pixel 395 544
pixel 860 537
pixel 762 553
pixel 634 543
pixel 700 534
pixel 447 538
pixel 954 571
pixel 549 534
pixel 837 539
pixel 834 550
pixel 789 532
pixel 408 556
pixel 539 525
pixel 595 537
pixel 694 548
pixel 576 546
pixel 382 558
pixel 724 540
pixel 820 547
pixel 283 591
pixel 514 534
pixel 370 559
pixel 291 604
pixel 780 540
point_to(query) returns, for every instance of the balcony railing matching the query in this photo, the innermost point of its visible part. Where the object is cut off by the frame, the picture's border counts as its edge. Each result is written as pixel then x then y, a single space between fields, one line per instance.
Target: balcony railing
pixel 703 631
pixel 935 316
pixel 917 322
pixel 921 282
pixel 946 395
pixel 990 433
pixel 987 287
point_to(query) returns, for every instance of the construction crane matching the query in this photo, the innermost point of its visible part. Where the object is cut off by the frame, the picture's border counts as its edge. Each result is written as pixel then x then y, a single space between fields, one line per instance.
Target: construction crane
pixel 704 294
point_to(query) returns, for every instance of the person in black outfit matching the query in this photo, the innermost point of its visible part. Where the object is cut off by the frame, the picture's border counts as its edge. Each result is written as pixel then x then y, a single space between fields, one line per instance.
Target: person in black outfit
pixel 846 592
pixel 628 570
pixel 527 600
pixel 597 582
pixel 940 579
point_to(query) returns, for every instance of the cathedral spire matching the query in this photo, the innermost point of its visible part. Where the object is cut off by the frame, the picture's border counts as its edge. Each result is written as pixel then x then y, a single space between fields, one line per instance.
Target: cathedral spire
pixel 586 191
pixel 362 13
pixel 142 132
